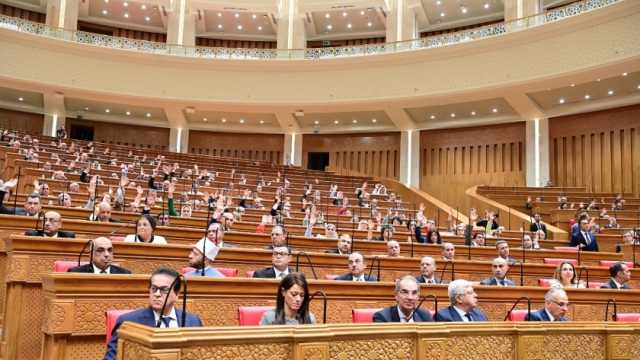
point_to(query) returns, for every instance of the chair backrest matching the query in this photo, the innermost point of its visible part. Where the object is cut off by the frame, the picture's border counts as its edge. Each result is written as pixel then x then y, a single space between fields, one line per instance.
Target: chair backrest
pixel 250 273
pixel 116 238
pixel 229 272
pixel 517 315
pixel 64 265
pixel 330 276
pixel 111 316
pixel 545 283
pixel 554 261
pixel 363 315
pixel 595 284
pixel 566 248
pixel 608 263
pixel 251 315
pixel 635 317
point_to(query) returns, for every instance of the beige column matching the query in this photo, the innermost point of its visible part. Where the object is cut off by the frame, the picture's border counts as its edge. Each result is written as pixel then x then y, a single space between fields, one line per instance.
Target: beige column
pixel 181 24
pixel 292 149
pixel 291 29
pixel 519 9
pixel 55 113
pixel 410 158
pixel 402 22
pixel 537 156
pixel 179 130
pixel 63 14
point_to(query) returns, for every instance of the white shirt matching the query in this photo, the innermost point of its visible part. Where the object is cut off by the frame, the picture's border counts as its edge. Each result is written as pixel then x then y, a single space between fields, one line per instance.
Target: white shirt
pixel 97 270
pixel 617 283
pixel 403 317
pixel 461 313
pixel 551 318
pixel 359 278
pixel 281 274
pixel 174 319
pixel 157 239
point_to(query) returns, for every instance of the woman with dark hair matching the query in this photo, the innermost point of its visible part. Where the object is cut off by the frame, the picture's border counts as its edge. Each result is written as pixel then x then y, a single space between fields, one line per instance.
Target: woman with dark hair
pixel 565 277
pixel 292 303
pixel 145 227
pixel 433 237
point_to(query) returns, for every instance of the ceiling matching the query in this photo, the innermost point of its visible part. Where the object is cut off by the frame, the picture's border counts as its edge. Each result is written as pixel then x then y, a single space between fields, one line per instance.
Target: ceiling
pixel 483 109
pixel 118 112
pixel 21 99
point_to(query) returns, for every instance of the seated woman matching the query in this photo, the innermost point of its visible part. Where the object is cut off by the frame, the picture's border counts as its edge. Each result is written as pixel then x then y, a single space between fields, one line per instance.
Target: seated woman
pixel 145 227
pixel 292 303
pixel 565 277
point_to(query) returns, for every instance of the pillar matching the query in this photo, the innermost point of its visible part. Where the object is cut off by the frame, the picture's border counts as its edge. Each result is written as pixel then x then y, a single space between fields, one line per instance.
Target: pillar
pixel 410 158
pixel 179 140
pixel 401 21
pixel 537 155
pixel 63 14
pixel 519 14
pixel 181 24
pixel 292 149
pixel 291 30
pixel 54 113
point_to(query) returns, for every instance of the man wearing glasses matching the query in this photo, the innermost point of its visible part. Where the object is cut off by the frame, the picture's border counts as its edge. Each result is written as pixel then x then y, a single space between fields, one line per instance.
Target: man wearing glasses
pixel 556 304
pixel 407 294
pixel 280 257
pixel 278 237
pixel 159 290
pixel 52 223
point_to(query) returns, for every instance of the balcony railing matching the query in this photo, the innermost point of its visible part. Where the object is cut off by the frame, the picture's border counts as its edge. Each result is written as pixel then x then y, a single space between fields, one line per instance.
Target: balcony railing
pixel 430 42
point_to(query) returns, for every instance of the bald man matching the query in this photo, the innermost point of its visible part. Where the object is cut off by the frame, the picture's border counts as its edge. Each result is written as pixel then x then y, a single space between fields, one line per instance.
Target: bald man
pixel 52 223
pixel 499 268
pixel 101 260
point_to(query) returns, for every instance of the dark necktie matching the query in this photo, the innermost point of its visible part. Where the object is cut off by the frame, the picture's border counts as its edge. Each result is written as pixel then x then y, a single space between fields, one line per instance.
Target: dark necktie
pixel 468 316
pixel 166 320
pixel 103 271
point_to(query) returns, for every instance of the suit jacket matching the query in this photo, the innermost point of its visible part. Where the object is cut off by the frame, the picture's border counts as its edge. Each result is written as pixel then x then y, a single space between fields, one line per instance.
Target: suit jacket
pixel 493 281
pixel 577 238
pixel 145 317
pixel 540 315
pixel 390 314
pixel 449 314
pixel 421 280
pixel 266 273
pixel 333 251
pixel 612 285
pixel 349 277
pixel 61 234
pixel 9 211
pixel 535 227
pixel 88 269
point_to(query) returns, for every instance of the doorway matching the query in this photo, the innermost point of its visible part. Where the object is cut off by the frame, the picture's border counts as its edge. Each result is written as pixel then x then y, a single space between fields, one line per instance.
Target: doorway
pixel 318 161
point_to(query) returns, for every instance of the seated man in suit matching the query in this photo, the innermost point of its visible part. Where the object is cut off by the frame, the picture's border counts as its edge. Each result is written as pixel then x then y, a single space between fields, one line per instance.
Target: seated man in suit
pixel 502 246
pixel 499 268
pixel 584 238
pixel 198 261
pixel 393 248
pixel 463 300
pixel 556 304
pixel 537 225
pixel 407 293
pixel 344 245
pixel 427 271
pixel 620 276
pixel 278 237
pixel 31 207
pixel 356 268
pixel 448 251
pixel 52 224
pixel 101 260
pixel 280 258
pixel 160 289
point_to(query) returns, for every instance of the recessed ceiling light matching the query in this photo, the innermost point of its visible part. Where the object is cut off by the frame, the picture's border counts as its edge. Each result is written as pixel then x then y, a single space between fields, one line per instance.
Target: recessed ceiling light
pixel 598 79
pixel 316 122
pixel 336 122
pixel 453 115
pixel 241 121
pixel 348 26
pixel 146 18
pixel 438 2
pixel 205 119
pixel 260 28
pixel 327 15
pixel 236 15
pixel 374 120
pixel 239 27
pixel 625 74
pixel 464 10
pixel 354 121
pixel 128 113
pixel 86 108
pixel 148 114
pixel 610 92
pixel 442 14
pixel 219 14
pixel 223 120
pixel 369 24
pixel 107 110
pixel 104 12
pixel 573 85
pixel 106 1
pixel 261 121
pixel 253 16
pixel 561 101
pixel 473 113
pixel 143 7
pixel 219 26
pixel 125 4
pixel 432 117
pixel 638 87
pixel 486 5
pixel 20 99
pixel 126 15
pixel 495 110
pixel 344 14
pixel 361 12
pixel 587 97
pixel 329 27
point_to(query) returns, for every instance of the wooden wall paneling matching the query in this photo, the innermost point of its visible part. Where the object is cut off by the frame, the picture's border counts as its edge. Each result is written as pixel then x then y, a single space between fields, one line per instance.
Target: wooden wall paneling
pixel 21 121
pixel 635 160
pixel 616 164
pixel 113 133
pixel 240 145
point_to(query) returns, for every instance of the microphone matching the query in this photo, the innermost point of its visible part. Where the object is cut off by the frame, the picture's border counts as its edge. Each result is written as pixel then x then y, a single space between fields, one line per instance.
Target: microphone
pixel 204 243
pixel 429 296
pixel 324 303
pixel 90 242
pixel 516 304
pixel 164 305
pixel 40 216
pixel 615 310
pixel 444 268
pixel 15 198
pixel 120 228
pixel 308 262
pixel 580 275
pixel 376 260
pixel 524 257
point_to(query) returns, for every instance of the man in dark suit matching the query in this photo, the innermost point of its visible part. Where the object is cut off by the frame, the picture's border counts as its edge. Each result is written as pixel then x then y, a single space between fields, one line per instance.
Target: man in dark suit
pixel 407 293
pixel 537 225
pixel 499 268
pixel 101 260
pixel 344 246
pixel 52 224
pixel 280 258
pixel 556 304
pixel 620 276
pixel 502 246
pixel 31 207
pixel 427 272
pixel 159 290
pixel 463 300
pixel 357 265
pixel 584 238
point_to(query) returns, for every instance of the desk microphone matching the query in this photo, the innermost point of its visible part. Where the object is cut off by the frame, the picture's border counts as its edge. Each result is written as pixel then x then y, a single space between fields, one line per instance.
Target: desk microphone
pixel 324 303
pixel 516 304
pixel 435 305
pixel 84 248
pixel 184 300
pixel 615 310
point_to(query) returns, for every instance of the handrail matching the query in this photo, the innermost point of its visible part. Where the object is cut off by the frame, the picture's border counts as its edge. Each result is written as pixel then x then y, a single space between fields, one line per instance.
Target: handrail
pixel 437 41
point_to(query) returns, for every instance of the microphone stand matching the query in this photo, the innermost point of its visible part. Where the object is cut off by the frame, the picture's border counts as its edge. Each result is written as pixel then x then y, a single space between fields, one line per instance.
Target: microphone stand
pixel 524 258
pixel 376 260
pixel 90 242
pixel 444 268
pixel 516 304
pixel 580 275
pixel 204 243
pixel 15 198
pixel 308 262
pixel 430 296
pixel 615 310
pixel 164 305
pixel 324 303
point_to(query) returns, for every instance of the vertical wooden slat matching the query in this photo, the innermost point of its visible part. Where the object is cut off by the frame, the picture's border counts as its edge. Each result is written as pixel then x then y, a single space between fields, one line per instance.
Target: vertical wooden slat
pixel 635 160
pixel 596 164
pixel 605 161
pixel 617 173
pixel 627 164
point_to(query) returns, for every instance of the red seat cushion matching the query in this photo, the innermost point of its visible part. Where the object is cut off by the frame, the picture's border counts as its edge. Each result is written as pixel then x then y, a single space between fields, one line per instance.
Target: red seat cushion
pixel 635 317
pixel 518 315
pixel 595 284
pixel 250 273
pixel 545 283
pixel 251 315
pixel 554 261
pixel 566 248
pixel 330 276
pixel 229 272
pixel 608 263
pixel 116 238
pixel 363 315
pixel 111 316
pixel 64 265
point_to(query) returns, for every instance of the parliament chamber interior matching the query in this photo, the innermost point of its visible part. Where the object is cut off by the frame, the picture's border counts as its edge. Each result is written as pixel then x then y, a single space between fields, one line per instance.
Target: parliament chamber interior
pixel 273 179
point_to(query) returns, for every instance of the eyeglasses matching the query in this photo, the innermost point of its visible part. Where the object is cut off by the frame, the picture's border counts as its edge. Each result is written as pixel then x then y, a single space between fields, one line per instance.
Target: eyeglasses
pixel 276 234
pixel 278 253
pixel 163 289
pixel 561 304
